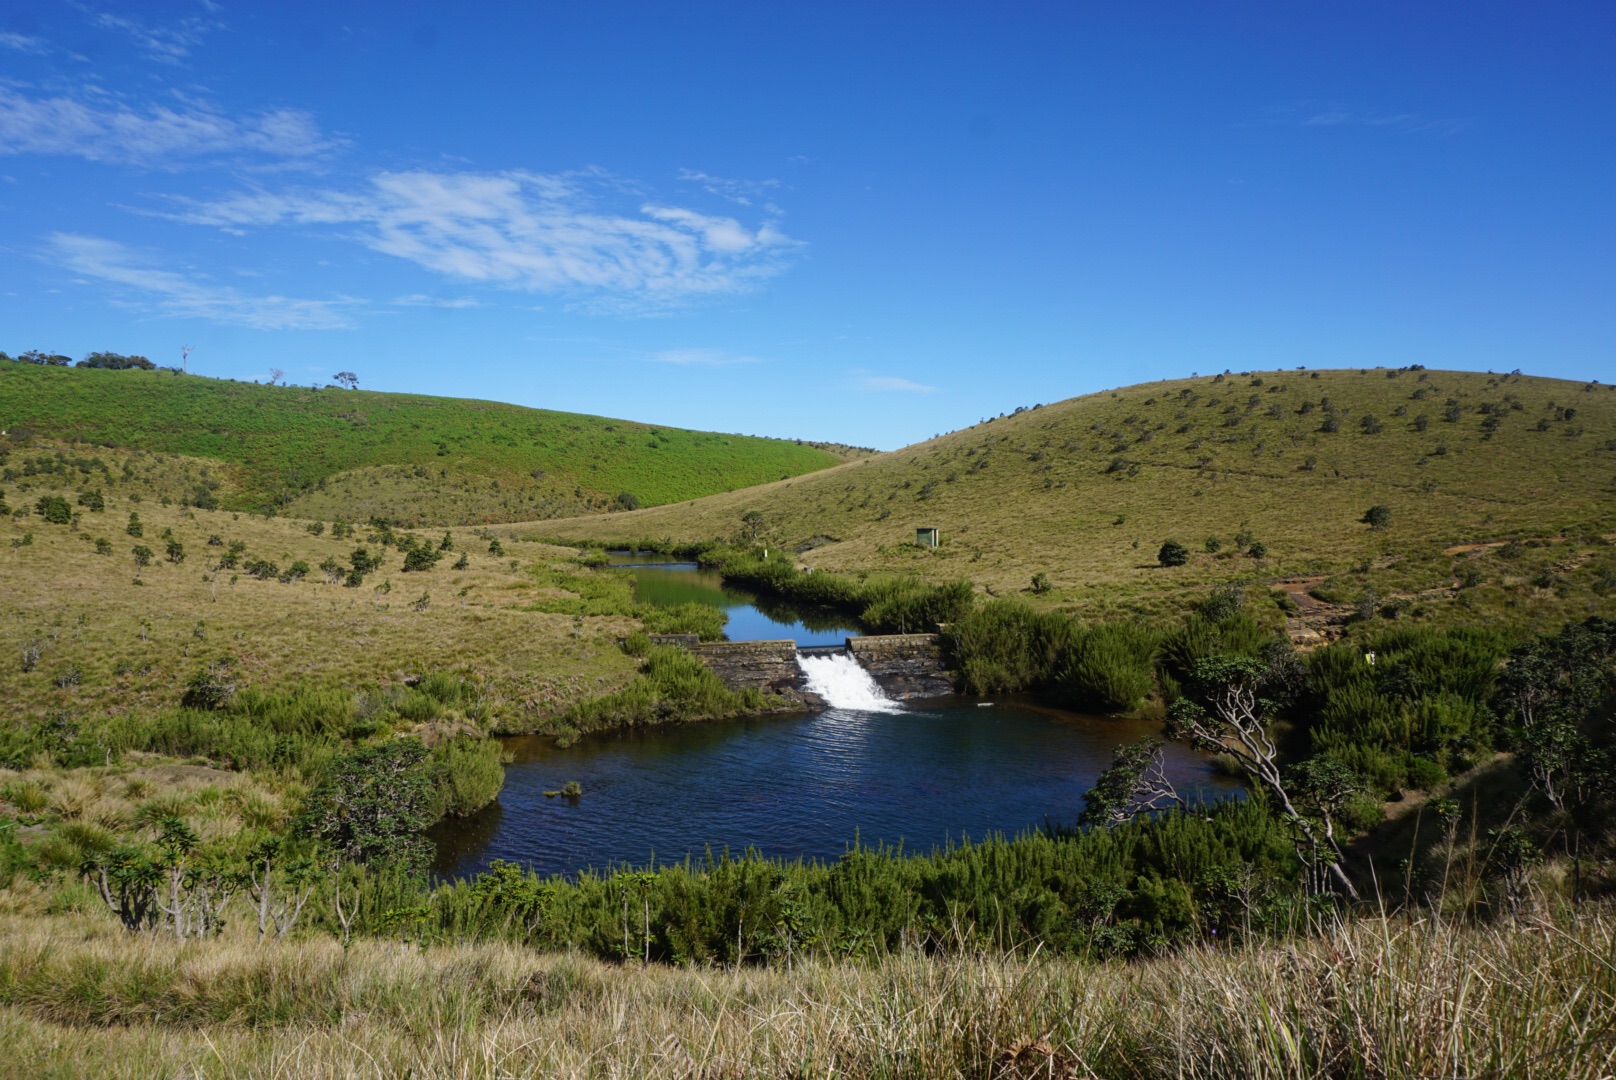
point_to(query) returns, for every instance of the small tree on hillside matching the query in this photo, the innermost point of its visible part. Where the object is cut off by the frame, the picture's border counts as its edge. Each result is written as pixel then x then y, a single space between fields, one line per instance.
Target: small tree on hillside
pixel 346 379
pixel 1173 553
pixel 752 522
pixel 1377 517
pixel 54 509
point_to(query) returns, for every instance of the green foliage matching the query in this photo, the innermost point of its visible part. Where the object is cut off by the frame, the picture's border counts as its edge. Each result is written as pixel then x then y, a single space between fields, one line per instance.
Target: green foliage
pixel 672 686
pixel 1137 888
pixel 1005 646
pixel 374 806
pixel 210 688
pixel 284 441
pixel 467 775
pixel 54 509
pixel 421 558
pixel 883 605
pixel 703 620
pixel 1173 553
pixel 1556 697
pixel 1377 517
pixel 1111 667
pixel 1198 638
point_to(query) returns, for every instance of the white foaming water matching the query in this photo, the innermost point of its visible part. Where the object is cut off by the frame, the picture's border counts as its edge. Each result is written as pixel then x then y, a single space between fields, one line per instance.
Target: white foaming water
pixel 844 684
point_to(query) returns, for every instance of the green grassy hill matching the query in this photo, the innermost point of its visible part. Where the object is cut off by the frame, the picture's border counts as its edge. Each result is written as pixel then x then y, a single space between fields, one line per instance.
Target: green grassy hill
pixel 420 460
pixel 1085 491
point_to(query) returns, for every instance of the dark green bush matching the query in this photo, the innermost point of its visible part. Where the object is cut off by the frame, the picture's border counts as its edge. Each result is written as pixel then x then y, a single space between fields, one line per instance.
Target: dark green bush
pixel 374 806
pixel 1005 646
pixel 1173 553
pixel 54 509
pixel 1110 667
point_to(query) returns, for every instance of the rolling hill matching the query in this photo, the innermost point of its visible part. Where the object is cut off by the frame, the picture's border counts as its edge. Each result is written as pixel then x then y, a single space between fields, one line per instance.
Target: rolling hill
pixel 1085 491
pixel 412 458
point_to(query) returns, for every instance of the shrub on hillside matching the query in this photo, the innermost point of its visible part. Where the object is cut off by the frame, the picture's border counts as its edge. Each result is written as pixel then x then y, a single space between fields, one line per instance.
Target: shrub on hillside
pixel 210 688
pixel 54 509
pixel 112 361
pixel 421 558
pixel 1173 553
pixel 1377 517
pixel 262 569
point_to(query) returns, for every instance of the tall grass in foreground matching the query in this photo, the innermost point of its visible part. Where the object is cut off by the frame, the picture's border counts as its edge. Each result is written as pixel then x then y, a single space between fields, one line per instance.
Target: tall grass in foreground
pixel 1372 998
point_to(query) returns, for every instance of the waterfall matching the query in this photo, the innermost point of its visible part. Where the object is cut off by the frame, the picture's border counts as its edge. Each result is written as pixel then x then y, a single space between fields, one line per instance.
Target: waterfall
pixel 844 684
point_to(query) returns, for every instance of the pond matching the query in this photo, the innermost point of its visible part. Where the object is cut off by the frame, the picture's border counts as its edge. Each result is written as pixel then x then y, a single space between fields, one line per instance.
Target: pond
pixel 921 774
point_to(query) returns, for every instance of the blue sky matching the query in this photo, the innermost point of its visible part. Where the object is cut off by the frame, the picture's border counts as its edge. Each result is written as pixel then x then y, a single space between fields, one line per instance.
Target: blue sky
pixel 863 222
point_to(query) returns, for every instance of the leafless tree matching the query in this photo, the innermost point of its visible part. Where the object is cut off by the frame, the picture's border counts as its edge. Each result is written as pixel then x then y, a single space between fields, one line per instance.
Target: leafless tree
pixel 1136 783
pixel 1231 722
pixel 275 374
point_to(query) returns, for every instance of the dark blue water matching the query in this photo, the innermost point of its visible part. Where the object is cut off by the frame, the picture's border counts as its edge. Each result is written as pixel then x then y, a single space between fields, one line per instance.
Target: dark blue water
pixel 660 579
pixel 929 774
pixel 802 787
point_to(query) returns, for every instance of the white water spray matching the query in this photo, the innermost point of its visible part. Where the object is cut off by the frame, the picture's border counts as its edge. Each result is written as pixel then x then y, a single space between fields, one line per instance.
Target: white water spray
pixel 844 684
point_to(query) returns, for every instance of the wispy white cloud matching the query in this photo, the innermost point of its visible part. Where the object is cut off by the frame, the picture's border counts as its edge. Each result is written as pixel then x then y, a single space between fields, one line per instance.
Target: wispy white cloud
pixel 422 300
pixel 1312 115
pixel 531 231
pixel 893 384
pixel 736 191
pixel 21 42
pixel 171 293
pixel 170 43
pixel 699 358
pixel 158 136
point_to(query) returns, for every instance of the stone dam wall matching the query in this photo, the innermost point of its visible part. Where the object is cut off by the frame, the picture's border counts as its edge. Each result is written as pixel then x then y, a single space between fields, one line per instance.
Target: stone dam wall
pixel 903 665
pixel 756 665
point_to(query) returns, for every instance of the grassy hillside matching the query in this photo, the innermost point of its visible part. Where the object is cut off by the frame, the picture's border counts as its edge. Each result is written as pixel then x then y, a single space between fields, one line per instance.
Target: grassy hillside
pixel 1085 491
pixel 422 460
pixel 84 633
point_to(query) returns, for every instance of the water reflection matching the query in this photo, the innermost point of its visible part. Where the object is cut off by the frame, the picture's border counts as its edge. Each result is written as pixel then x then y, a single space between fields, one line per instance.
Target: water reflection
pixel 666 580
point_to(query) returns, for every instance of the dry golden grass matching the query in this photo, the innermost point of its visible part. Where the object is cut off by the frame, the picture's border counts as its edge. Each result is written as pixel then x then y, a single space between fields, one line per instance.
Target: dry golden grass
pixel 1375 998
pixel 108 802
pixel 1047 502
pixel 109 638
